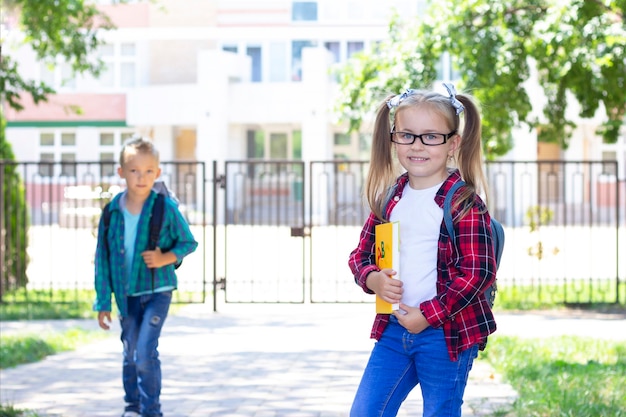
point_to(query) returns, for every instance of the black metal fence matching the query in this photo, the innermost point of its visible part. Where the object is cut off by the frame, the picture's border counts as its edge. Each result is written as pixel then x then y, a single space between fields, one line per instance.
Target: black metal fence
pixel 564 221
pixel 50 213
pixel 282 230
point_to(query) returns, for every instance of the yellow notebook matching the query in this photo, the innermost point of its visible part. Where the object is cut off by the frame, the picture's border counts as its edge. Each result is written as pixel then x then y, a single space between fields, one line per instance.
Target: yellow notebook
pixel 387 256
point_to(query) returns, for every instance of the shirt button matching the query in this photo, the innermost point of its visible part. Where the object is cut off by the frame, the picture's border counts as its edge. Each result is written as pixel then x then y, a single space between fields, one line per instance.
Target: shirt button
pixel 396 198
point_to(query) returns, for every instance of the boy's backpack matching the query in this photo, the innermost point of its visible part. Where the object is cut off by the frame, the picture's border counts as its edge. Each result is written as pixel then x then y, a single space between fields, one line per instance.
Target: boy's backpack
pixel 156 217
pixel 497 232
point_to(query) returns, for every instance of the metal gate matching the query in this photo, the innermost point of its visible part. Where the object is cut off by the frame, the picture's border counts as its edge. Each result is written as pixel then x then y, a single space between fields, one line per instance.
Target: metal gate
pixel 562 221
pixel 49 213
pixel 264 229
pixel 282 231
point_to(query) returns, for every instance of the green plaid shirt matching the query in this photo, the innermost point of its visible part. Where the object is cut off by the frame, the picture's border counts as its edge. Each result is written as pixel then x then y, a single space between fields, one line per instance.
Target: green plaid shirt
pixel 109 270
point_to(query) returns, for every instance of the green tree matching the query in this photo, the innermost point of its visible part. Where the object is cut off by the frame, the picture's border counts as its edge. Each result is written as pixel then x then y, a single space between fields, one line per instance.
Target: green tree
pixel 65 30
pixel 13 221
pixel 60 29
pixel 577 47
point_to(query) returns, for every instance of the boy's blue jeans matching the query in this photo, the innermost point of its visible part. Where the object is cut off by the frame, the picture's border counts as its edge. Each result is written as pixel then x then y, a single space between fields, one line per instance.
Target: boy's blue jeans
pixel 141 370
pixel 399 361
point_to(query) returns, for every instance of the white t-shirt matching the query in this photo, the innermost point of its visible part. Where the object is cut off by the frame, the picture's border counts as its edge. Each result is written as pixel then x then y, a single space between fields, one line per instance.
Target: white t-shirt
pixel 420 221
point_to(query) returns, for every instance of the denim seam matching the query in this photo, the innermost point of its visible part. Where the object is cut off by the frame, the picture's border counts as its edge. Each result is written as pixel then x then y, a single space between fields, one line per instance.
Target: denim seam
pixel 393 390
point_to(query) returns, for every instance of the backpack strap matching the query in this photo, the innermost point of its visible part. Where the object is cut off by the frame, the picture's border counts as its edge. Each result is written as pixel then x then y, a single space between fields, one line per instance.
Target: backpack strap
pixel 106 220
pixel 390 192
pixel 156 220
pixel 497 235
pixel 447 208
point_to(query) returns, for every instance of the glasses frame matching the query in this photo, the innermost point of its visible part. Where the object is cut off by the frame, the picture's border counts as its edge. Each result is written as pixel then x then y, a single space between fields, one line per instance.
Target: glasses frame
pixel 445 138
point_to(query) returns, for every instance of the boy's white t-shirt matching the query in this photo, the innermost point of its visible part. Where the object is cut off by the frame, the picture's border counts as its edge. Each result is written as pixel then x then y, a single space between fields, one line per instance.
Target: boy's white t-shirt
pixel 420 221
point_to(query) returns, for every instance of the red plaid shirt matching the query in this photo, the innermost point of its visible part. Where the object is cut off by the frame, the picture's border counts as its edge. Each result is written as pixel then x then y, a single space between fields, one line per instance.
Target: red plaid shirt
pixel 464 272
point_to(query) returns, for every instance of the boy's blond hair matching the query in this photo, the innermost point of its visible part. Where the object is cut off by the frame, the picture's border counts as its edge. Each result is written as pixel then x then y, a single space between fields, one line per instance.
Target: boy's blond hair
pixel 138 145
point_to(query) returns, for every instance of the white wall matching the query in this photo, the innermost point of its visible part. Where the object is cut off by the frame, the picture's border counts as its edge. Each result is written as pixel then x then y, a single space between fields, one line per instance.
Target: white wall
pixel 24 142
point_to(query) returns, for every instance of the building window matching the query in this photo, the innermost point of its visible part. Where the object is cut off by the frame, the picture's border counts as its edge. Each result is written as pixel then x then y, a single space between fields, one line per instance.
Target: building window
pixel 365 144
pixel 335 49
pixel 68 165
pixel 120 65
pixel 106 53
pixel 254 52
pixel 46 164
pixel 126 136
pixel 46 139
pixel 128 65
pixel 127 49
pixel 274 145
pixel 107 139
pixel 609 169
pixel 296 144
pixel 127 74
pixel 304 11
pixel 296 58
pixel 354 47
pixel 107 164
pixel 68 139
pixel 278 62
pixel 278 146
pixel 46 73
pixel 58 75
pixel 342 139
pixel 68 79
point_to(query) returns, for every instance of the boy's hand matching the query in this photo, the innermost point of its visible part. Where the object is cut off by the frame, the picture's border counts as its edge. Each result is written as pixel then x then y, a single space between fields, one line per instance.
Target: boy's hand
pixel 156 258
pixel 102 316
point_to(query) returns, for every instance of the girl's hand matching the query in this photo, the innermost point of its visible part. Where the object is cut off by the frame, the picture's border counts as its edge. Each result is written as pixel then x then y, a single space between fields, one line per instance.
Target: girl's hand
pixel 384 286
pixel 411 318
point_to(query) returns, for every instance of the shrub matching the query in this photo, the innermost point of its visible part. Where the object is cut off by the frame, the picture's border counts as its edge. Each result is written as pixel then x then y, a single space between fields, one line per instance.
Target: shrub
pixel 14 221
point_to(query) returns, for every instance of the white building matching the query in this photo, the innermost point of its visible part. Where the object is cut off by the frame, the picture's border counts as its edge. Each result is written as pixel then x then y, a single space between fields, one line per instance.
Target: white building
pixel 224 79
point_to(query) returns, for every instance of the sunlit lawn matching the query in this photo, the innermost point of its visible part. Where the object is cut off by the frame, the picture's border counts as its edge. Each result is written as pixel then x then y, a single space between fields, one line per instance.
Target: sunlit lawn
pixel 562 376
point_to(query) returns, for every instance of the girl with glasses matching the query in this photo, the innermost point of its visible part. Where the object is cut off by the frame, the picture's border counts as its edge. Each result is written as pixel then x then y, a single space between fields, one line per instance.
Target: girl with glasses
pixel 443 317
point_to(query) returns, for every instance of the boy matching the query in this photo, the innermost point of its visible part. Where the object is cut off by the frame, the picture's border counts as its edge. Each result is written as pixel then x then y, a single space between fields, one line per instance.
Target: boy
pixel 141 279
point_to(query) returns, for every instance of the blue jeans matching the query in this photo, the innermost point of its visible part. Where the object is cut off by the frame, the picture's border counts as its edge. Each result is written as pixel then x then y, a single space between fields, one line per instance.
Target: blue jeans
pixel 401 360
pixel 141 370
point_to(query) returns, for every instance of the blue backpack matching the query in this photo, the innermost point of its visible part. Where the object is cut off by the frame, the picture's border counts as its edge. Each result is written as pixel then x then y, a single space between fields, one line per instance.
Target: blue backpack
pixel 497 232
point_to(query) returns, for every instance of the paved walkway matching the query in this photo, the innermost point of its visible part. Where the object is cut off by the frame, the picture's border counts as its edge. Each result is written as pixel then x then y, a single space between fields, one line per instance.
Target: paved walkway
pixel 252 361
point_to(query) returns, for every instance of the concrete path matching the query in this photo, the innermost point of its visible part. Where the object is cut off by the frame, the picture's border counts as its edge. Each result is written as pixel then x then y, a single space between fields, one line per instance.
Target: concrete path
pixel 252 361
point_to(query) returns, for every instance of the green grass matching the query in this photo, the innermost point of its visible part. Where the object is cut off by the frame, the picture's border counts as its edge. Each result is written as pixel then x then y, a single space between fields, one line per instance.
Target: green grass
pixel 562 376
pixel 28 348
pixel 10 411
pixel 64 304
pixel 544 295
pixel 47 305
pixel 46 311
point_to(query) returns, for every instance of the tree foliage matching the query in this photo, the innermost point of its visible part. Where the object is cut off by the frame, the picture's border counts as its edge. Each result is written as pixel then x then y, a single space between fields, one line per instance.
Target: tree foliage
pixel 59 29
pixel 577 48
pixel 13 221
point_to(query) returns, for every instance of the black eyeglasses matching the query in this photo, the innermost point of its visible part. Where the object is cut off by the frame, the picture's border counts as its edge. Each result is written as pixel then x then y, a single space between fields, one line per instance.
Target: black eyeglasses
pixel 428 139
